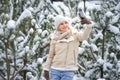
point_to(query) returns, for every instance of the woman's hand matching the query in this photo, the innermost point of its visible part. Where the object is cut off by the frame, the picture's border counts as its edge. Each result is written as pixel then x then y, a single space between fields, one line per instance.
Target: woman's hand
pixel 85 21
pixel 46 74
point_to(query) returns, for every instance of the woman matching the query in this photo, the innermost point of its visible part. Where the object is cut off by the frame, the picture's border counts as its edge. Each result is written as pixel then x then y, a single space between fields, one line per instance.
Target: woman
pixel 62 58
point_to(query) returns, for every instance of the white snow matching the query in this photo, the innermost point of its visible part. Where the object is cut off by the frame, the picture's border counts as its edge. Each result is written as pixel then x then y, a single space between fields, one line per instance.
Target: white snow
pixel 58 5
pixel 33 21
pixel 44 33
pixel 27 49
pixel 118 6
pixel 115 18
pixel 90 5
pixel 22 53
pixel 81 50
pixel 109 14
pixel 79 78
pixel 26 14
pixel 85 44
pixel 39 61
pixel 11 24
pixel 89 73
pixel 19 39
pixel 112 55
pixel 118 66
pixel 114 29
pixel 100 79
pixel 100 61
pixel 39 31
pixel 31 31
pixel 94 47
pixel 12 37
pixel 1 30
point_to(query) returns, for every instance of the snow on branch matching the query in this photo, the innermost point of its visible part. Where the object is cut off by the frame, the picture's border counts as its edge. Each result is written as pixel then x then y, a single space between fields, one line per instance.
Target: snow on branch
pixel 26 14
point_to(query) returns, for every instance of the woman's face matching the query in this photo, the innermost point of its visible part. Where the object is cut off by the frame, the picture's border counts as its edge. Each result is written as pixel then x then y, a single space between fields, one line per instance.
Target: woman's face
pixel 63 26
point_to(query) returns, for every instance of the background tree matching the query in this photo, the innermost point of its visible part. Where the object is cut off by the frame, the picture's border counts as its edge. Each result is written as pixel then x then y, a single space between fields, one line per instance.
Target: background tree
pixel 102 54
pixel 20 39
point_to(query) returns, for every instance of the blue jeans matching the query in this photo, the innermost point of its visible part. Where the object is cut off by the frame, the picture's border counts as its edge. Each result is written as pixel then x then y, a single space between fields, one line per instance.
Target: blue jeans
pixel 61 75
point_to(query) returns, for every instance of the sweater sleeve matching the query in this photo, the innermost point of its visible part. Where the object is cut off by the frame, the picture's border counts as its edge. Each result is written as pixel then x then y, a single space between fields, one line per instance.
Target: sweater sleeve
pixel 50 56
pixel 85 34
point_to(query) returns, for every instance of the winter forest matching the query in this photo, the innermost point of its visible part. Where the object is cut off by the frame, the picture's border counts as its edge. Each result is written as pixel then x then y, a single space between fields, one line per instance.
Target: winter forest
pixel 25 26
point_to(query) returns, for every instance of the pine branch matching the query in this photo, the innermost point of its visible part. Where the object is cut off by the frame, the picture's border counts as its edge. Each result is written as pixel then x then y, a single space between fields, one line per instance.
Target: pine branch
pixel 12 78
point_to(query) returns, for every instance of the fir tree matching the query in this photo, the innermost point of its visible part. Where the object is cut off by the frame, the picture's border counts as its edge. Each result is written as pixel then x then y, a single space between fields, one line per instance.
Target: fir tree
pixel 103 47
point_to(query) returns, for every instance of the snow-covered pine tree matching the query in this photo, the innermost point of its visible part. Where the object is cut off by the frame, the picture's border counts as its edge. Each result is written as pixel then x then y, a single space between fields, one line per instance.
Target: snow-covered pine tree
pixel 73 7
pixel 102 55
pixel 13 55
pixel 23 38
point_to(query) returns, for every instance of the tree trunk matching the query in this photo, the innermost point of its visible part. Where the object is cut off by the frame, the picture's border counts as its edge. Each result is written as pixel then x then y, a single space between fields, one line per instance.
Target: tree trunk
pixel 7 59
pixel 25 62
pixel 103 48
pixel 84 5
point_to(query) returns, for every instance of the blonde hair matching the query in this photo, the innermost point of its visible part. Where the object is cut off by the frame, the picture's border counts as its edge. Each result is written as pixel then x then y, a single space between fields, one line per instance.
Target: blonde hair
pixel 69 27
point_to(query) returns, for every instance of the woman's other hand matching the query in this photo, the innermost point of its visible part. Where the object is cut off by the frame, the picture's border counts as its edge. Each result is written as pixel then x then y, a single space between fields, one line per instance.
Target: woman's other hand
pixel 46 74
